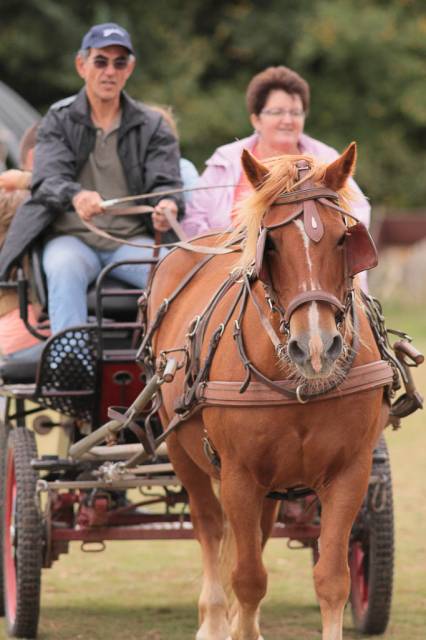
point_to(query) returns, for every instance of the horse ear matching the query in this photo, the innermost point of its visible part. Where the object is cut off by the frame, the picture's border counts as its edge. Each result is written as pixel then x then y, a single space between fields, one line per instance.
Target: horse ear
pixel 341 169
pixel 254 170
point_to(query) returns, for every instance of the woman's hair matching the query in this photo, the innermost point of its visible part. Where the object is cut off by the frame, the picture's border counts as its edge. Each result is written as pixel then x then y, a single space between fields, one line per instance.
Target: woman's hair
pixel 28 142
pixel 271 79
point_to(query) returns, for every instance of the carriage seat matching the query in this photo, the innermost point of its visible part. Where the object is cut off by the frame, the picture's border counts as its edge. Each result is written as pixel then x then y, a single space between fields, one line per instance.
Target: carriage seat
pixel 18 371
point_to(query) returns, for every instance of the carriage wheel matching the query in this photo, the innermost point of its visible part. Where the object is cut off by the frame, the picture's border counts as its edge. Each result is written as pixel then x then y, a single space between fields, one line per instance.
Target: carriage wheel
pixel 22 537
pixel 371 552
pixel 4 431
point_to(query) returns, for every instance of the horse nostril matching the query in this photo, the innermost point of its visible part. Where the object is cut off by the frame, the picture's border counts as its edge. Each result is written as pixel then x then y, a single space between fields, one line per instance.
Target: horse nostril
pixel 335 349
pixel 296 352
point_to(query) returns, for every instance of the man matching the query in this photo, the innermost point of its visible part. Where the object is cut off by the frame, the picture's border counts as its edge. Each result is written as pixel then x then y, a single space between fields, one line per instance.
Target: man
pixel 97 145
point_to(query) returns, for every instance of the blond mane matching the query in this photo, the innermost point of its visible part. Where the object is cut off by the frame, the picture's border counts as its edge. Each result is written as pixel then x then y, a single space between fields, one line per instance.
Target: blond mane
pixel 282 178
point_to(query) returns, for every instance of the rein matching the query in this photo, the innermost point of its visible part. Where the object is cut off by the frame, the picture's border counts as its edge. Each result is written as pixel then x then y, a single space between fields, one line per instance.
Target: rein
pixel 182 243
pixel 111 207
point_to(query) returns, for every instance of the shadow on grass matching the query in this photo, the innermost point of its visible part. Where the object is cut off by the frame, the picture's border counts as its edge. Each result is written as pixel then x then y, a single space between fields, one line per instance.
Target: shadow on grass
pixel 278 622
pixel 289 621
pixel 112 621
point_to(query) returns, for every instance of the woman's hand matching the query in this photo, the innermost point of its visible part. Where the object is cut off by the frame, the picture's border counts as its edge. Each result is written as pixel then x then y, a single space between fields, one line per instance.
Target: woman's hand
pixel 159 219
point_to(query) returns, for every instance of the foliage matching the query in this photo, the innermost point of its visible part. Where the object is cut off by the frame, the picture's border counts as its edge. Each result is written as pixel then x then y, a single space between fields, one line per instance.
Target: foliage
pixel 364 60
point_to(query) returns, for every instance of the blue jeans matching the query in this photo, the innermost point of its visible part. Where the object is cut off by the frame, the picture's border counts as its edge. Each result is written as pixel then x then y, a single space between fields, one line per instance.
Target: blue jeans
pixel 71 265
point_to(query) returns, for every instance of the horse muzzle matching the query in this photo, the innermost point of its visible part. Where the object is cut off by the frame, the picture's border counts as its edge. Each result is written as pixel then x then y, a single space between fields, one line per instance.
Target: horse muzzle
pixel 315 355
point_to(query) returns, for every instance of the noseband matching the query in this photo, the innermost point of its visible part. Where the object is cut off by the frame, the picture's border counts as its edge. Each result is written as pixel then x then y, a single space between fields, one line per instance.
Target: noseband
pixel 360 251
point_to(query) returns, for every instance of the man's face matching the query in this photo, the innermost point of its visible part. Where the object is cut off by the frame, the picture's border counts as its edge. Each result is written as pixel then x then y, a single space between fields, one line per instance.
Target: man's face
pixel 105 72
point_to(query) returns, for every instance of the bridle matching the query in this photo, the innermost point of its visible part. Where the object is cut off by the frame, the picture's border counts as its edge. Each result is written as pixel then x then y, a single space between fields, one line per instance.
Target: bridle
pixel 360 251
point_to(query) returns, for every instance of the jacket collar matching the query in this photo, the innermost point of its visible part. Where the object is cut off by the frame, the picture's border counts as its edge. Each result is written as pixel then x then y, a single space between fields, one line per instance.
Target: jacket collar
pixel 230 154
pixel 132 113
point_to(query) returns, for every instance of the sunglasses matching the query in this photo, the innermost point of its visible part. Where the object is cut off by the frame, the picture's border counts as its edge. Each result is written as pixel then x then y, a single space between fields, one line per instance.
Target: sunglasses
pixel 118 63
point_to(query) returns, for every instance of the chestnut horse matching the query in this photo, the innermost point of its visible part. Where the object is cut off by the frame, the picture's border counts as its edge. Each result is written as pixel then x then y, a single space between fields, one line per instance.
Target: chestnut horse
pixel 293 317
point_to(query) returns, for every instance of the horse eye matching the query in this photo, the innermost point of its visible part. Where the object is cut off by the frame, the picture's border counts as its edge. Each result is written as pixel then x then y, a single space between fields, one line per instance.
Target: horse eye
pixel 270 244
pixel 341 240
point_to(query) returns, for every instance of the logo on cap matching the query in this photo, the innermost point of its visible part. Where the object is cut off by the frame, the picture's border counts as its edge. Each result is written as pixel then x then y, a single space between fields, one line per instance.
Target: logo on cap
pixel 109 32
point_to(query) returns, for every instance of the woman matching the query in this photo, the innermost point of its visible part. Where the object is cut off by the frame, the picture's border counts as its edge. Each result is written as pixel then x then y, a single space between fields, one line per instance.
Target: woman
pixel 277 101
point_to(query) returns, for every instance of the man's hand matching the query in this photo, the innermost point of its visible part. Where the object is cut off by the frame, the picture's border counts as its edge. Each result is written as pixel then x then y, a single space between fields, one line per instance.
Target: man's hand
pixel 14 179
pixel 159 219
pixel 88 204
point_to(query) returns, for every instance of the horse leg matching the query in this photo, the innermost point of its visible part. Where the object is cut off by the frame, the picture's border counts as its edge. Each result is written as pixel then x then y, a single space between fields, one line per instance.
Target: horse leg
pixel 269 516
pixel 340 503
pixel 207 520
pixel 243 504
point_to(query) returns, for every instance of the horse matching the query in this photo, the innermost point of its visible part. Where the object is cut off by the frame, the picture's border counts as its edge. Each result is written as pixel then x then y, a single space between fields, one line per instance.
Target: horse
pixel 279 382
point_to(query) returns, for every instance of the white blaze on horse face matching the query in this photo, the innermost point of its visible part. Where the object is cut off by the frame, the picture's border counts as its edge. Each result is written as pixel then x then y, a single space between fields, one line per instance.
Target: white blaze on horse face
pixel 316 346
pixel 299 224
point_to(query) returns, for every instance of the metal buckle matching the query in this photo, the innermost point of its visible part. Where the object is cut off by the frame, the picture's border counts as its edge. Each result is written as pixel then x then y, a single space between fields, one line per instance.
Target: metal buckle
pixel 193 326
pixel 298 396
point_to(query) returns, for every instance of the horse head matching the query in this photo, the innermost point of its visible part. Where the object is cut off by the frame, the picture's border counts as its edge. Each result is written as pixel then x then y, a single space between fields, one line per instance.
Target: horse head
pixel 306 253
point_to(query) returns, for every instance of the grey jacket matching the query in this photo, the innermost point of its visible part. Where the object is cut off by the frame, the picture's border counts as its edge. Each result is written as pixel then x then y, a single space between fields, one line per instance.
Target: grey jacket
pixel 147 149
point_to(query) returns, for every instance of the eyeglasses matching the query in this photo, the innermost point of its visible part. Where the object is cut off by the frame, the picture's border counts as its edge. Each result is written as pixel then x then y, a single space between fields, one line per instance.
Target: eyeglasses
pixel 100 62
pixel 279 113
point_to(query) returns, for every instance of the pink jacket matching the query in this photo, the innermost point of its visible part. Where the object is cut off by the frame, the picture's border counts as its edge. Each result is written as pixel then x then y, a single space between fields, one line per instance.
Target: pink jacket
pixel 211 209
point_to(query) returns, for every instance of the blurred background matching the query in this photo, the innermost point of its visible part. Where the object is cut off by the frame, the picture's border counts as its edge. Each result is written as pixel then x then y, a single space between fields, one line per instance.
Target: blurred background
pixel 364 60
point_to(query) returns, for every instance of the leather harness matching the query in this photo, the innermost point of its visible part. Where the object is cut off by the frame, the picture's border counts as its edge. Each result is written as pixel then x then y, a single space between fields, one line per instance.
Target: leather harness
pixel 199 391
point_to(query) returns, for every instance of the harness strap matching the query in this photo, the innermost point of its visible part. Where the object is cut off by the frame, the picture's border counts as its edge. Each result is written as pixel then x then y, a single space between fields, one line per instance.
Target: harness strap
pixel 165 305
pixel 264 319
pixel 272 384
pixel 197 375
pixel 316 295
pixel 361 378
pixel 309 193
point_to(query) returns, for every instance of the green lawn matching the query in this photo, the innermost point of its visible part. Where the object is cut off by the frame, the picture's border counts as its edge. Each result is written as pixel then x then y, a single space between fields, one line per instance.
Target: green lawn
pixel 149 590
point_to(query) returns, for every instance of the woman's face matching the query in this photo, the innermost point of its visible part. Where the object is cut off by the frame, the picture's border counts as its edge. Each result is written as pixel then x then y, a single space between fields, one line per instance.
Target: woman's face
pixel 281 121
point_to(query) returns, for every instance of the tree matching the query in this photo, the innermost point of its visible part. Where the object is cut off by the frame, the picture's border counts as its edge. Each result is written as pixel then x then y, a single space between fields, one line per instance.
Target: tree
pixel 364 60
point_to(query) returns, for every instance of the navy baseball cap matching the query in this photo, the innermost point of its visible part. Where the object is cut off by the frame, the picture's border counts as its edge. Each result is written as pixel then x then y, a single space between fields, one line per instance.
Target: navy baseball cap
pixel 105 35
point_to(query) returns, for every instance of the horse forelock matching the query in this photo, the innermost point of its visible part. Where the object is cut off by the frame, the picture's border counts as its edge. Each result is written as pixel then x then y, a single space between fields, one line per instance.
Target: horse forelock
pixel 282 178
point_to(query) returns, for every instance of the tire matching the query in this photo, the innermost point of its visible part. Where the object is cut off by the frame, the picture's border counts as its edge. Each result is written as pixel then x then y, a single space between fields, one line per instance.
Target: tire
pixel 4 432
pixel 22 537
pixel 371 552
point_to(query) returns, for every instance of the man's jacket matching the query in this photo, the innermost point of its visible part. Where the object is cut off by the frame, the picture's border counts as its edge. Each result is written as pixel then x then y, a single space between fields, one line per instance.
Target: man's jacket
pixel 147 149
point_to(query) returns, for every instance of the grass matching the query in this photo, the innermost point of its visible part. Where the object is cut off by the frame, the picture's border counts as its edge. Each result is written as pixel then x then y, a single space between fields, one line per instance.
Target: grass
pixel 149 590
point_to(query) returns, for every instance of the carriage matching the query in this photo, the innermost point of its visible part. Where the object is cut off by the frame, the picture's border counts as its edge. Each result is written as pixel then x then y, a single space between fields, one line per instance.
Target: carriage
pixel 102 390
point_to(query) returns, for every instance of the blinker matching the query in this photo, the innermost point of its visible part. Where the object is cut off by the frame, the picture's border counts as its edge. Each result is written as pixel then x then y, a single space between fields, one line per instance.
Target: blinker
pixel 361 252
